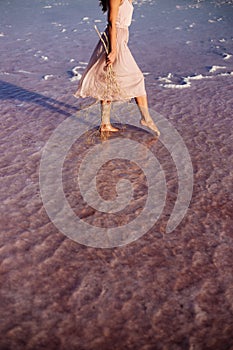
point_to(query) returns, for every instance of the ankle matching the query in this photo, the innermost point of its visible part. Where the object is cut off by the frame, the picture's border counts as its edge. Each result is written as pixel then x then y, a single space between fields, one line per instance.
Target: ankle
pixel 105 125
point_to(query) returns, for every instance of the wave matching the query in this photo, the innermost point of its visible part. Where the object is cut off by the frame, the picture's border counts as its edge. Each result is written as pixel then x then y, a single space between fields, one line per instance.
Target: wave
pixel 173 82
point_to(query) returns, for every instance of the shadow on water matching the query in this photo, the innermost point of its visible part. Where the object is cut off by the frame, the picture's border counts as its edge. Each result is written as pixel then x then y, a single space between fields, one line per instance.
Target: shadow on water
pixel 10 91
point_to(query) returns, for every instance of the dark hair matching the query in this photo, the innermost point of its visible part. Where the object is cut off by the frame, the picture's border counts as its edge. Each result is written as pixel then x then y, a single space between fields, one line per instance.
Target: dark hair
pixel 104 5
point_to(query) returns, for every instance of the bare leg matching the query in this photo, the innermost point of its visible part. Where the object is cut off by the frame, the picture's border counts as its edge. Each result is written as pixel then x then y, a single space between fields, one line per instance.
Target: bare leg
pixel 105 117
pixel 146 119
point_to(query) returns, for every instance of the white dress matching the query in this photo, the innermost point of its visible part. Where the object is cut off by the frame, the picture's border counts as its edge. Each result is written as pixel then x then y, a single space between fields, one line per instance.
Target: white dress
pixel 128 78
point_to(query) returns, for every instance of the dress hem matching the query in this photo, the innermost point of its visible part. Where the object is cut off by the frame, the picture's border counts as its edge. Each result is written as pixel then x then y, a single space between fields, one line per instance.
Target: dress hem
pixel 128 98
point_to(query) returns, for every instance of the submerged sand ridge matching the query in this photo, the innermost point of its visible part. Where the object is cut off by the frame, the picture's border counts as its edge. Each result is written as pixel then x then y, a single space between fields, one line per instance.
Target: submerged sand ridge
pixel 164 291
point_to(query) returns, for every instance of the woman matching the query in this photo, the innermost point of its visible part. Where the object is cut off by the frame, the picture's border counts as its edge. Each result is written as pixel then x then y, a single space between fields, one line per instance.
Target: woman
pixel 115 75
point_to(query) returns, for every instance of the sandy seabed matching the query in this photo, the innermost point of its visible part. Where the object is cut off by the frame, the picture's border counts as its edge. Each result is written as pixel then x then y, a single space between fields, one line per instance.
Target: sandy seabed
pixel 162 292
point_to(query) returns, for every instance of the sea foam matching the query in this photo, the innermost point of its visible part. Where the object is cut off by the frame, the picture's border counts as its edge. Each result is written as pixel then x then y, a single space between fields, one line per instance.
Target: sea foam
pixel 186 82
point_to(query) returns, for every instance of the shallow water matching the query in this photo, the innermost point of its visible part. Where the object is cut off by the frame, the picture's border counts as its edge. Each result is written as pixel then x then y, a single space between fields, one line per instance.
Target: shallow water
pixel 165 290
pixel 47 40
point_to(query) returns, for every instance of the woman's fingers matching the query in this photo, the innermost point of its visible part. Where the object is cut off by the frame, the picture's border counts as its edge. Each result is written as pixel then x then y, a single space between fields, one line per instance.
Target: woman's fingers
pixel 108 61
pixel 110 58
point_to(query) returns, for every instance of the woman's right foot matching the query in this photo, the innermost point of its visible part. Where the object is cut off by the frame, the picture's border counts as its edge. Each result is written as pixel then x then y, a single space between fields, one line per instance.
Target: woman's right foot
pixel 108 127
pixel 151 125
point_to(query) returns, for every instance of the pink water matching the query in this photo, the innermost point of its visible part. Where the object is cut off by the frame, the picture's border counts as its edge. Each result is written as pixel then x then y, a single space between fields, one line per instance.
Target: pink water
pixel 164 291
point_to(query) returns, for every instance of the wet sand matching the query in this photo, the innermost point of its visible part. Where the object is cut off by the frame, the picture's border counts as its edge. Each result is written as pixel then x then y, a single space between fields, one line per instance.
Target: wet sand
pixel 164 291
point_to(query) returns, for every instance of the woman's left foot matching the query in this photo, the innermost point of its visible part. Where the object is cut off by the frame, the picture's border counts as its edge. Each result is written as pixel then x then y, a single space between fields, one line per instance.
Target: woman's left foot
pixel 151 125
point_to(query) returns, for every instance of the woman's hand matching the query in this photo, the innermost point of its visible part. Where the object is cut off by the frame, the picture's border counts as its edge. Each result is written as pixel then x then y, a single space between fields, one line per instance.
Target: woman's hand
pixel 111 57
